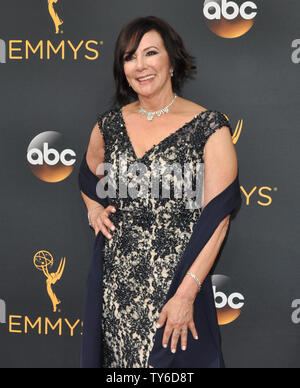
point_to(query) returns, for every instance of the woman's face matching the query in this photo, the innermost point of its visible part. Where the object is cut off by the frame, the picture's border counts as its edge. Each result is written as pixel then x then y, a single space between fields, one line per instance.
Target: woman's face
pixel 151 60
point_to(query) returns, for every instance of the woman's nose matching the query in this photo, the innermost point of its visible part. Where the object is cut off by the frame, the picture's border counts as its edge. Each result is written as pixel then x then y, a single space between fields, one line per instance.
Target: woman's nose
pixel 140 63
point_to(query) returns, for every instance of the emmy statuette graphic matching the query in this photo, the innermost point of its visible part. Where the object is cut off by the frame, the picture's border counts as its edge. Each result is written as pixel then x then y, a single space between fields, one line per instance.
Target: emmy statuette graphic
pixel 54 15
pixel 42 261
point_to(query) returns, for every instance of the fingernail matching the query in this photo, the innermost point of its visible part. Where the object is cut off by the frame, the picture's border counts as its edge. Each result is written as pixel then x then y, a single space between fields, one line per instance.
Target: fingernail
pixel 157 325
pixel 109 236
pixel 113 228
pixel 183 348
pixel 196 337
pixel 173 350
pixel 165 345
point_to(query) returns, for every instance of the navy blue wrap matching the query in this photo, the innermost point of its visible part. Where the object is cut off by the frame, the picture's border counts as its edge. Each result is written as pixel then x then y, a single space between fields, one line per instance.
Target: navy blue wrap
pixel 202 353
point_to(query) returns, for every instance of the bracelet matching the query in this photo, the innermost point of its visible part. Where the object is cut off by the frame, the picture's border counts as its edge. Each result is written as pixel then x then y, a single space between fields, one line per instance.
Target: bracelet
pixel 95 207
pixel 196 279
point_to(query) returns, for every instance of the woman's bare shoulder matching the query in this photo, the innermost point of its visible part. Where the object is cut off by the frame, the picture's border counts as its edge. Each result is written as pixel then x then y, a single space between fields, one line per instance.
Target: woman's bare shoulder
pixel 190 108
pixel 130 108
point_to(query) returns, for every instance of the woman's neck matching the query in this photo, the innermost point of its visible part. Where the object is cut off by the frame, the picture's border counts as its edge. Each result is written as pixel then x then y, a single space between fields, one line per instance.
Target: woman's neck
pixel 155 102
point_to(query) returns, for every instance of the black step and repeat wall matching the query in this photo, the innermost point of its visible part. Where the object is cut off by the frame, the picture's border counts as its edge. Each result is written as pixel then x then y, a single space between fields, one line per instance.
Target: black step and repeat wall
pixel 56 76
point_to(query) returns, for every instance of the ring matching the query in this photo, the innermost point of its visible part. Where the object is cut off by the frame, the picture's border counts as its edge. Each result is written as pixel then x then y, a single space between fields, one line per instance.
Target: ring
pixel 184 331
pixel 176 332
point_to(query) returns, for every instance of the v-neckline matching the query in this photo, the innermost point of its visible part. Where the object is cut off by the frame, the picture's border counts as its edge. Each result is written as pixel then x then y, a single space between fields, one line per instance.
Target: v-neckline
pixel 159 143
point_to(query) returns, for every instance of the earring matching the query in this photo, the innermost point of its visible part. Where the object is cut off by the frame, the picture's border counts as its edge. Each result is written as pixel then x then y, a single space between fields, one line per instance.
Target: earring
pixel 172 73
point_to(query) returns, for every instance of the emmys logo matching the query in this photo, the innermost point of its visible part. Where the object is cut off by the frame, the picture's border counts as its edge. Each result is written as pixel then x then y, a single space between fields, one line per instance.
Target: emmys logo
pixel 54 15
pixel 296 313
pixel 231 24
pixel 43 260
pixel 229 303
pixel 2 311
pixel 21 50
pixel 238 129
pixel 296 53
pixel 48 157
pixel 263 192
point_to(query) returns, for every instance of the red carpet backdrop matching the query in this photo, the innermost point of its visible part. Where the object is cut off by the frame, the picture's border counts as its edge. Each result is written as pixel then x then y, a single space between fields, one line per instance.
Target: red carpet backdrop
pixel 56 76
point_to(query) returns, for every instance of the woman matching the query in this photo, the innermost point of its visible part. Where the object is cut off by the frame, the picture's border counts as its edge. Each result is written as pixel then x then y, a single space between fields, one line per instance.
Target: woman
pixel 146 236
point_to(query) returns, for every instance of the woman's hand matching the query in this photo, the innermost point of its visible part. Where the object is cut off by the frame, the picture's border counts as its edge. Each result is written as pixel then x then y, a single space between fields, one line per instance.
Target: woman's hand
pixel 178 312
pixel 100 220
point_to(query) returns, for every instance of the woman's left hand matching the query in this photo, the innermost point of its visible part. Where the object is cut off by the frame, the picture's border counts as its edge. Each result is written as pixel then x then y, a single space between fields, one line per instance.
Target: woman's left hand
pixel 179 313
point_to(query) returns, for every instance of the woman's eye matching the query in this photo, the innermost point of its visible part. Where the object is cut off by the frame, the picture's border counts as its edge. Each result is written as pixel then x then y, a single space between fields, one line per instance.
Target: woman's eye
pixel 152 52
pixel 127 58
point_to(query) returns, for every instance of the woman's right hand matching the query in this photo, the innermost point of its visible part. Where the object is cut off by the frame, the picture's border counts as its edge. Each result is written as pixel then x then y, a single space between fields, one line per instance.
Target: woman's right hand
pixel 100 220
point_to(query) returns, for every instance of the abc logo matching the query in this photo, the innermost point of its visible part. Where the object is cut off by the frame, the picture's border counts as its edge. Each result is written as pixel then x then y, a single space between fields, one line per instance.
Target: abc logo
pixel 228 301
pixel 48 157
pixel 229 19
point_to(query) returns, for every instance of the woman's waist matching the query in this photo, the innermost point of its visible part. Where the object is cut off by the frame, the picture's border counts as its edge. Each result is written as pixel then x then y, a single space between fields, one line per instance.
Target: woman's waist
pixel 155 215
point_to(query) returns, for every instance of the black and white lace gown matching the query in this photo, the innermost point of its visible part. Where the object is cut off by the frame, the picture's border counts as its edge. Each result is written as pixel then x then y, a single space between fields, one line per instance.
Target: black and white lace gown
pixel 151 233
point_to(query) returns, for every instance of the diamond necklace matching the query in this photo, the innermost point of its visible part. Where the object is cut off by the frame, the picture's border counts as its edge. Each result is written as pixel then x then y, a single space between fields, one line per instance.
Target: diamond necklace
pixel 150 115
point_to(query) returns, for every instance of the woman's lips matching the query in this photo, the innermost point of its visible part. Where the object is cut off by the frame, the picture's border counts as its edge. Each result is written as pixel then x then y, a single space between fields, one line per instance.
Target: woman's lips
pixel 142 80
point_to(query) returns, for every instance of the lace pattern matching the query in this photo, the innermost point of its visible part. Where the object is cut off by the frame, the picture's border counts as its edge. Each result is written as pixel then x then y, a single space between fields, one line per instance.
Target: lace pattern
pixel 150 237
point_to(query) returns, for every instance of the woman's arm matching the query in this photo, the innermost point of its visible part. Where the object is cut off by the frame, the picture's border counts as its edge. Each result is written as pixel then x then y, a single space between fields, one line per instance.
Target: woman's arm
pixel 94 156
pixel 98 214
pixel 220 170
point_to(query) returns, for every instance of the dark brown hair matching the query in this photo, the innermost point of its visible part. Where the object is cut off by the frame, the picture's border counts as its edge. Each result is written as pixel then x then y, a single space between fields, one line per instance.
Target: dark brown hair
pixel 181 61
